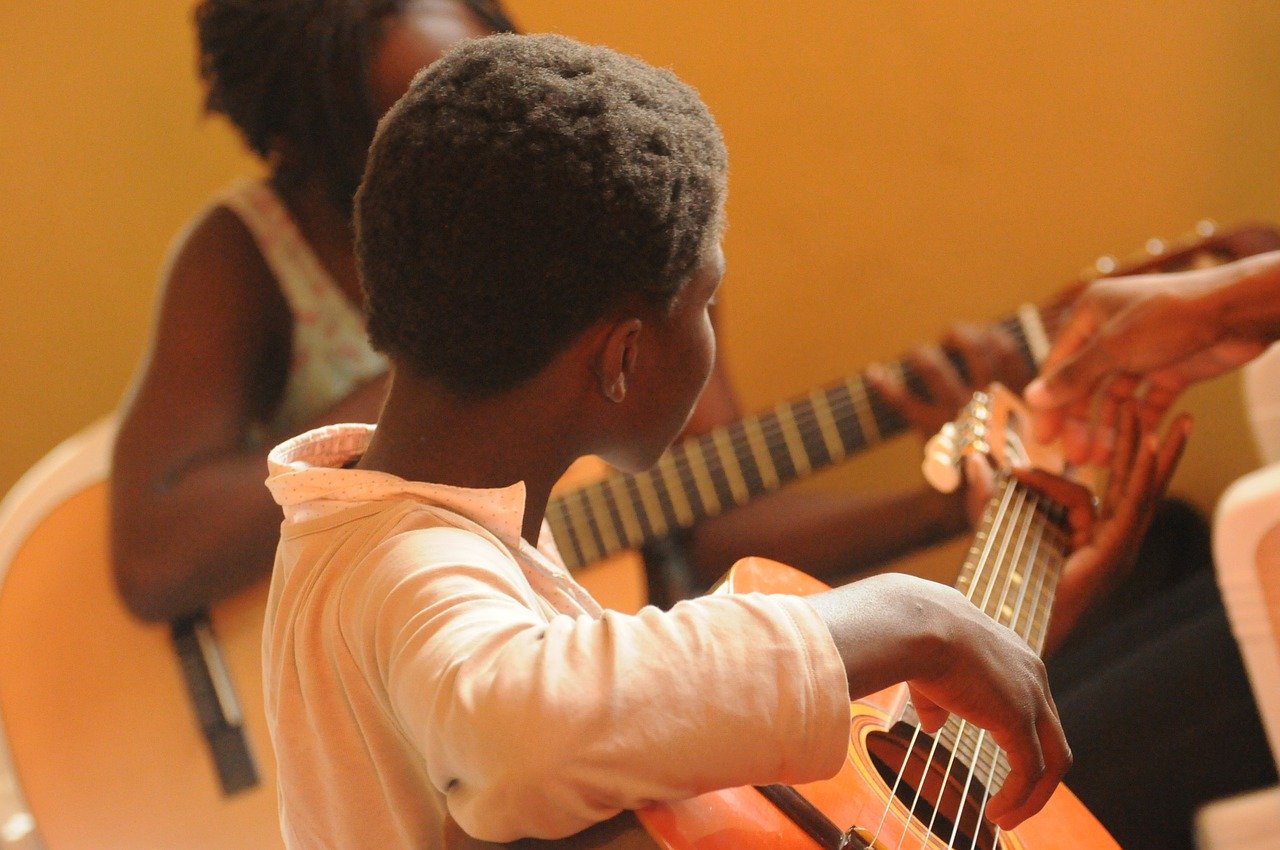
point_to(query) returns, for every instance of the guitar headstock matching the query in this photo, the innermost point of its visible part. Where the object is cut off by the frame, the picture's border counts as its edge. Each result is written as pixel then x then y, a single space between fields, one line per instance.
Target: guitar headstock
pixel 995 423
pixel 1206 244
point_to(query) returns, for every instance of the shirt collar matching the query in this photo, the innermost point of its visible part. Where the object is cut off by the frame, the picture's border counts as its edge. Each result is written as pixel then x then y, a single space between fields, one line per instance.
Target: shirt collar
pixel 307 479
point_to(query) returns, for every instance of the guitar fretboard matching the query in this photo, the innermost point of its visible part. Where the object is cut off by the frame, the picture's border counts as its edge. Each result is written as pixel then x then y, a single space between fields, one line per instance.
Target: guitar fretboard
pixel 728 466
pixel 1011 572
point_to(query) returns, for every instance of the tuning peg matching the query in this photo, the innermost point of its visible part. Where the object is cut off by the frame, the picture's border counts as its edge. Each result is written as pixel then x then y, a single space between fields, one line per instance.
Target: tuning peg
pixel 941 464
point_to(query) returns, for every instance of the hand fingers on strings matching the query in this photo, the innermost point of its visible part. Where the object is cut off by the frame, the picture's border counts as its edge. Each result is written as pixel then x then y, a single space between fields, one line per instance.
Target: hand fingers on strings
pixel 977 352
pixel 894 392
pixel 1055 761
pixel 931 715
pixel 1076 498
pixel 940 378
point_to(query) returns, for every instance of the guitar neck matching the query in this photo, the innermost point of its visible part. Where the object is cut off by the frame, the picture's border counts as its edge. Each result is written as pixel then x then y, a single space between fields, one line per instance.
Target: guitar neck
pixel 1011 572
pixel 728 466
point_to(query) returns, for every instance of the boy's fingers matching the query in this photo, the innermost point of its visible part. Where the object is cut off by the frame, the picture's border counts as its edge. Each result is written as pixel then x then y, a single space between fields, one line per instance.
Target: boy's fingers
pixel 1057 760
pixel 931 715
pixel 1034 773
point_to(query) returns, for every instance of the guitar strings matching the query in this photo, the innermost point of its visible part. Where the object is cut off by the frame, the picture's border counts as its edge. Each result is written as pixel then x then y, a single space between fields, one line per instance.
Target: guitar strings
pixel 1027 510
pixel 1021 524
pixel 1019 557
pixel 978 566
pixel 1046 581
pixel 995 529
pixel 1005 565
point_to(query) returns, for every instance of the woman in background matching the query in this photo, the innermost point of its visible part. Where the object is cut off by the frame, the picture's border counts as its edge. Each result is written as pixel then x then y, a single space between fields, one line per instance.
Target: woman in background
pixel 260 332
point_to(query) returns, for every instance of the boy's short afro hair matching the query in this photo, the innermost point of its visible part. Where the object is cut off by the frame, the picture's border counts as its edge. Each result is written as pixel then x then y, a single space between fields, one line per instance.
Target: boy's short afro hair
pixel 521 189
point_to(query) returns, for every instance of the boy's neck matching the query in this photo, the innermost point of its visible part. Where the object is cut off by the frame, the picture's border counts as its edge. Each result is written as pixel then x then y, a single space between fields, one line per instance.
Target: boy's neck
pixel 426 434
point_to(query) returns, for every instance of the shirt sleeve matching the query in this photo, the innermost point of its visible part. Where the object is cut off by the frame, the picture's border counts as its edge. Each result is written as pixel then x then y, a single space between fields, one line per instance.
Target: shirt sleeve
pixel 540 725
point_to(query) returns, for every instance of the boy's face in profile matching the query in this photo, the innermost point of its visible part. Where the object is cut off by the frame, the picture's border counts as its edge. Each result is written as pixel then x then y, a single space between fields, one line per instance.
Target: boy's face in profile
pixel 676 353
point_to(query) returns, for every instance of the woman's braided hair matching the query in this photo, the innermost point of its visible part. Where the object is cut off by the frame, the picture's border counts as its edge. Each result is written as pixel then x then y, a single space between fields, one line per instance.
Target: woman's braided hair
pixel 293 76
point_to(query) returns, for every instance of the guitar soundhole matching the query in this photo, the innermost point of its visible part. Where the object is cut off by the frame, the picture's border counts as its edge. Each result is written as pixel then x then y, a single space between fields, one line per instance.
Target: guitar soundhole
pixel 940 794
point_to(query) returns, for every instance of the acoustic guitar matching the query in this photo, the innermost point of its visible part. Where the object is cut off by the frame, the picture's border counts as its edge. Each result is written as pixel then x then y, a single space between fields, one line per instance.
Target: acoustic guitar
pixel 120 734
pixel 899 785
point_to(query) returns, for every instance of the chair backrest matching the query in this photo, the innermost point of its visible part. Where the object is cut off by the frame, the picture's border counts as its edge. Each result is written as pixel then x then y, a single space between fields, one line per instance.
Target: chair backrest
pixel 1246 544
pixel 112 735
pixel 1262 402
pixel 79 463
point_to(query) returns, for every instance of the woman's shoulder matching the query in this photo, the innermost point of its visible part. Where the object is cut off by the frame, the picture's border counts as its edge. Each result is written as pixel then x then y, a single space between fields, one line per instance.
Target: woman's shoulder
pixel 216 255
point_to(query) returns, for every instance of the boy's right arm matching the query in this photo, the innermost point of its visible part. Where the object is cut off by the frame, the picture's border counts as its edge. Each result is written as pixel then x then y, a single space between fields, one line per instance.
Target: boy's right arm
pixel 893 628
pixel 541 727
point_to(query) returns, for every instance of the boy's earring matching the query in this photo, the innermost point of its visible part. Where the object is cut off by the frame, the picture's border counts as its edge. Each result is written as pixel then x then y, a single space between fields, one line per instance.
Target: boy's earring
pixel 617 391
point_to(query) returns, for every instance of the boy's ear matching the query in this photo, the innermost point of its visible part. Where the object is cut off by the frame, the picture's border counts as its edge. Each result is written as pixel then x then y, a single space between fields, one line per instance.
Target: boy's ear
pixel 617 358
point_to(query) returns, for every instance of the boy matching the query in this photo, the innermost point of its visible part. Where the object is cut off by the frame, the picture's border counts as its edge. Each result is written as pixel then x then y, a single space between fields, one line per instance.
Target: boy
pixel 538 237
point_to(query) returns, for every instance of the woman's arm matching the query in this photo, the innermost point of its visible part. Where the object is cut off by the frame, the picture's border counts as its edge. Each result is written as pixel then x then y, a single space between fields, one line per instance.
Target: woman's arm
pixel 191 519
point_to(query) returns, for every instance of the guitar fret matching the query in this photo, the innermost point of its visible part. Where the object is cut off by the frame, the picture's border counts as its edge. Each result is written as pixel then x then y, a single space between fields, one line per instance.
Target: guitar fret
pixel 575 540
pixel 862 409
pixel 649 501
pixel 702 478
pixel 827 425
pixel 675 490
pixel 562 534
pixel 806 420
pixel 626 510
pixel 794 442
pixel 729 464
pixel 610 540
pixel 709 452
pixel 589 517
pixel 760 453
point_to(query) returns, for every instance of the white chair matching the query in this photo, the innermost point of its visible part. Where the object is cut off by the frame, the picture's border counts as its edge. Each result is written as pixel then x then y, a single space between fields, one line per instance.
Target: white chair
pixel 1246 549
pixel 75 465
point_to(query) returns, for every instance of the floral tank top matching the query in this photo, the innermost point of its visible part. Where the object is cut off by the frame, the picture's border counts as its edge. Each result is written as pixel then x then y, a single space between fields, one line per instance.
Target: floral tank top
pixel 331 355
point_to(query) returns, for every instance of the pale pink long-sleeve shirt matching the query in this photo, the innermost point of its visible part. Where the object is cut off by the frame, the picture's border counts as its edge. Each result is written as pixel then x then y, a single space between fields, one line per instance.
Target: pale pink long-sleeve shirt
pixel 423 662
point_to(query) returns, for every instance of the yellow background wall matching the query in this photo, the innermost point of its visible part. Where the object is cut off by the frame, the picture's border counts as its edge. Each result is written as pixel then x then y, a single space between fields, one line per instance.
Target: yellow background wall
pixel 894 166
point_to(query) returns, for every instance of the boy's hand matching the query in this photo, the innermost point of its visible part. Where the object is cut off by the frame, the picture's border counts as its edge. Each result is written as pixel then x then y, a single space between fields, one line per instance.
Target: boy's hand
pixel 955 659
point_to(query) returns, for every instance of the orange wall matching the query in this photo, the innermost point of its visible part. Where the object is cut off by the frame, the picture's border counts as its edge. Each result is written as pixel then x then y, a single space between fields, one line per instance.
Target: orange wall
pixel 893 166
